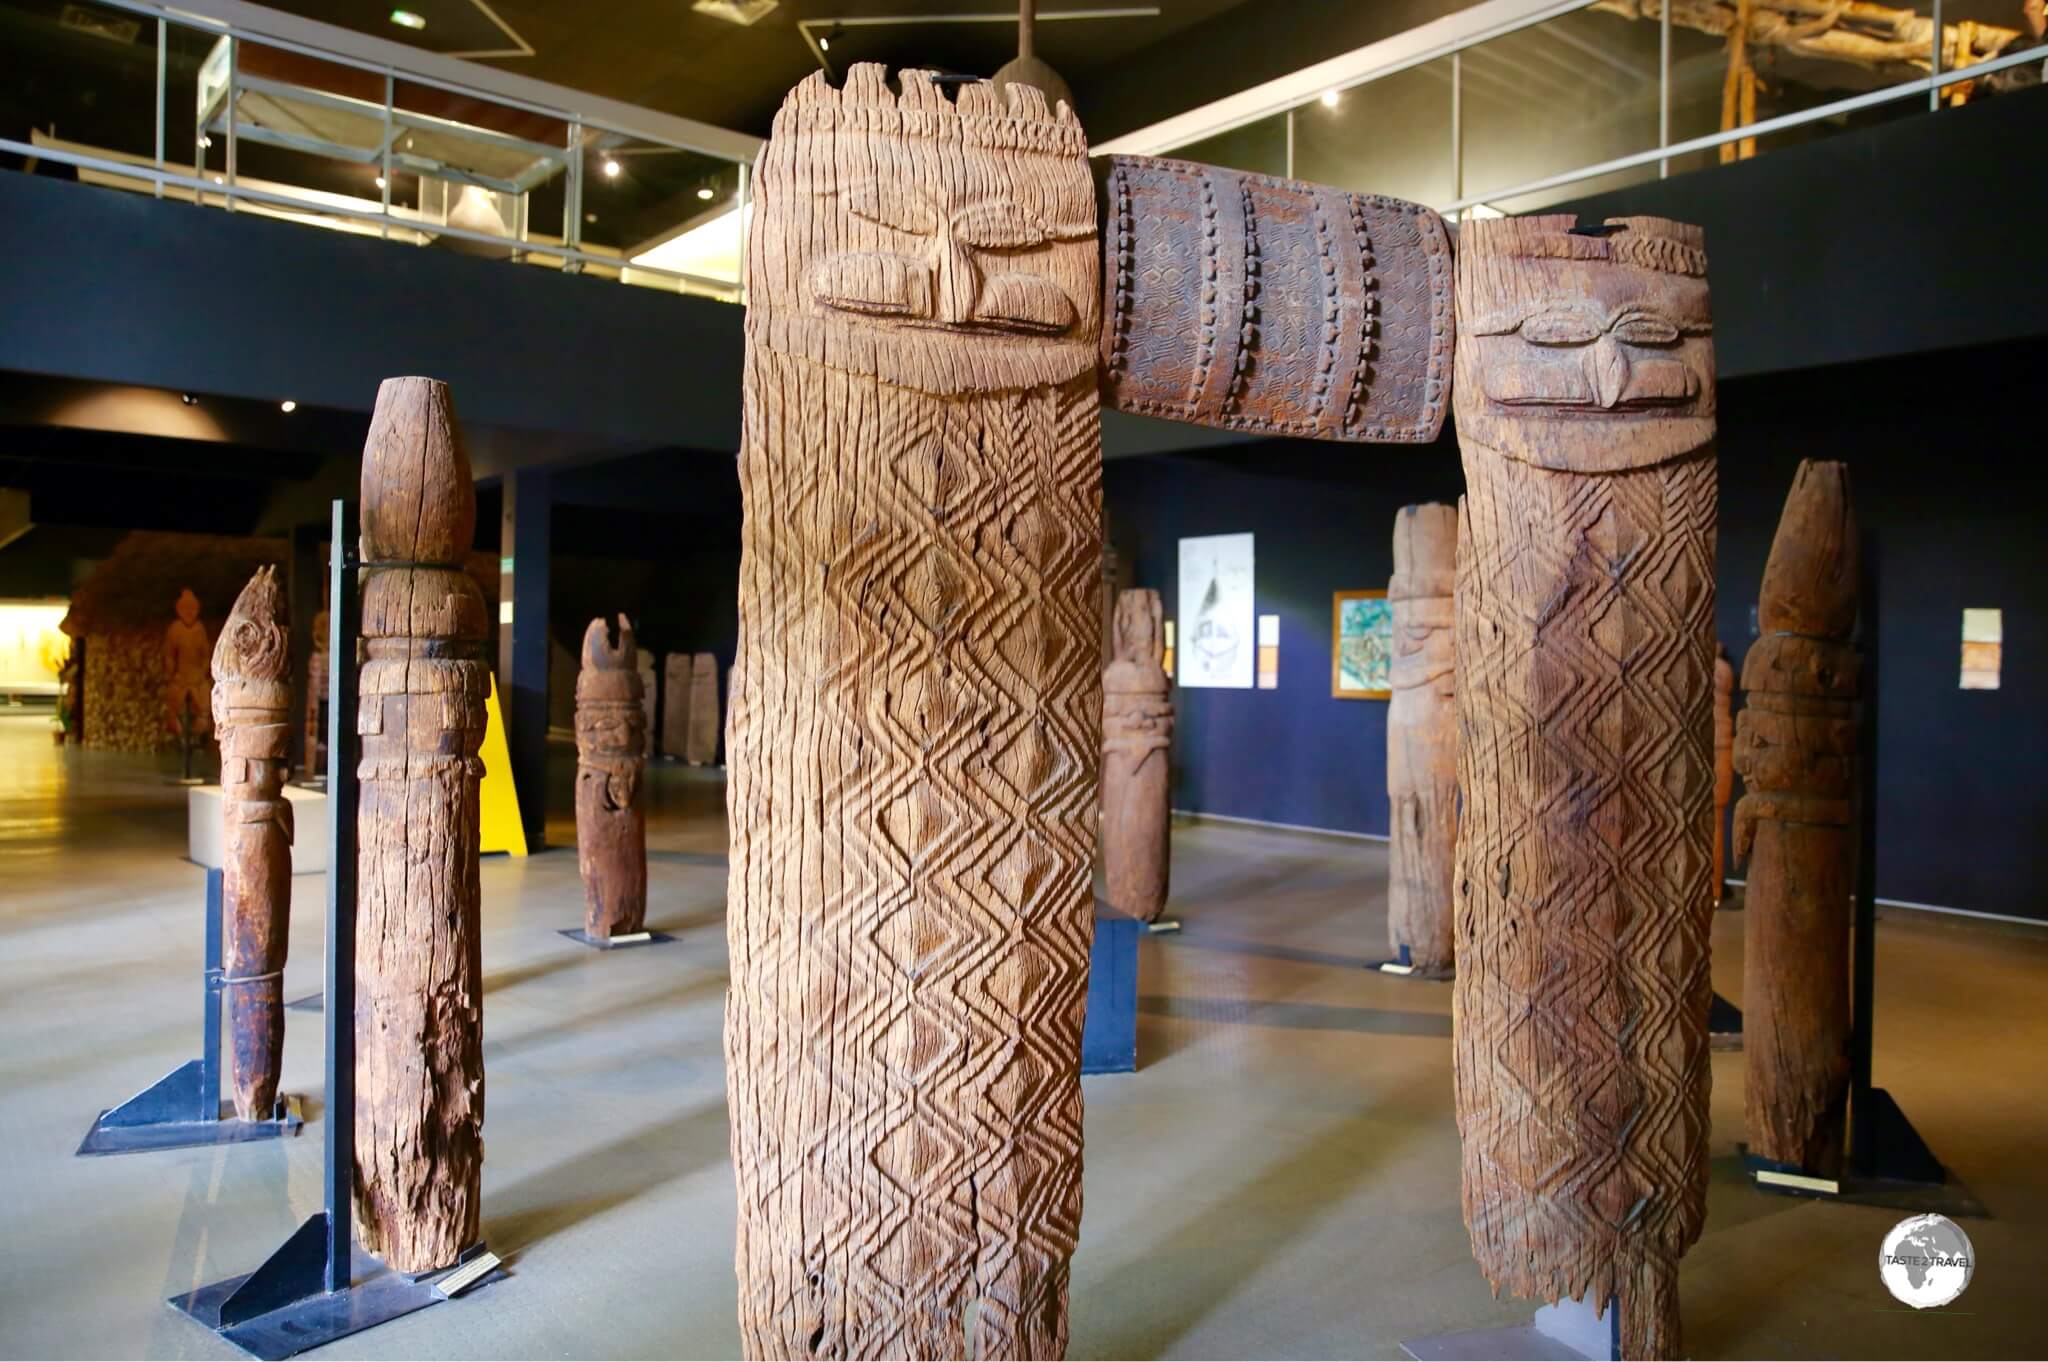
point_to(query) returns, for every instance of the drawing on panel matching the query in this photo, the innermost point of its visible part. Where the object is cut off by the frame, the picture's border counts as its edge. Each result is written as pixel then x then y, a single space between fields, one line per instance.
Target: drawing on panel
pixel 1216 643
pixel 1361 645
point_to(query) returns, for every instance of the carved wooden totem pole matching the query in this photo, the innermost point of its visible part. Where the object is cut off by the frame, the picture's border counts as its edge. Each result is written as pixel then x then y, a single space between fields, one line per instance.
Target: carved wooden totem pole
pixel 675 705
pixel 611 800
pixel 1585 651
pixel 1795 744
pixel 644 665
pixel 1137 743
pixel 1422 739
pixel 701 738
pixel 315 759
pixel 252 703
pixel 188 685
pixel 1724 762
pixel 916 715
pixel 419 1010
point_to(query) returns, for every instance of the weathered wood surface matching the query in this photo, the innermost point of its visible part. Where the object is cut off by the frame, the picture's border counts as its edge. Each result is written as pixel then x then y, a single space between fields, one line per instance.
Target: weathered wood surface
pixel 419 1010
pixel 644 664
pixel 1795 745
pixel 1724 763
pixel 701 740
pixel 915 728
pixel 1252 303
pixel 188 653
pixel 1137 755
pixel 317 660
pixel 675 705
pixel 1422 739
pixel 611 796
pixel 252 704
pixel 1585 406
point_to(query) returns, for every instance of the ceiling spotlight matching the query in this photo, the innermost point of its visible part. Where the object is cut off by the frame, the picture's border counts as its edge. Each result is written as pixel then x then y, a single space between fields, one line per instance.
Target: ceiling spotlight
pixel 220 179
pixel 1329 99
pixel 825 44
pixel 206 141
pixel 405 18
pixel 288 406
pixel 380 181
pixel 590 217
pixel 707 192
pixel 611 169
pixel 188 399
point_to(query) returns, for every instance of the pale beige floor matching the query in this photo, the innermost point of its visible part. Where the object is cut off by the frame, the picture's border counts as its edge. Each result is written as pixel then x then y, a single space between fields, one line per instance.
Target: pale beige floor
pixel 1280 1179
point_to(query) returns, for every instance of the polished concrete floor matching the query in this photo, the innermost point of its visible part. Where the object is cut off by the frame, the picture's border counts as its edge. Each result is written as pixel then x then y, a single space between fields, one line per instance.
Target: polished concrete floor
pixel 1280 1179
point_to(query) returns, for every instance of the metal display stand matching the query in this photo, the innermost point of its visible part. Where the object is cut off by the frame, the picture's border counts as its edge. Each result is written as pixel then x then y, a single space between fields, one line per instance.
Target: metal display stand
pixel 625 941
pixel 182 1108
pixel 318 1287
pixel 1570 1331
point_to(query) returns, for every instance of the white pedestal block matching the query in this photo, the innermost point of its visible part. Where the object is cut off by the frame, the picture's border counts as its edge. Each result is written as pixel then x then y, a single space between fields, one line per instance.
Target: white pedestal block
pixel 309 828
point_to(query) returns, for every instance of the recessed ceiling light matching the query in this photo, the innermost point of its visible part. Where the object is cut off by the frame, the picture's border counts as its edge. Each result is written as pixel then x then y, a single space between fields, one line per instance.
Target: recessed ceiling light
pixel 188 399
pixel 590 217
pixel 220 179
pixel 288 406
pixel 380 181
pixel 824 44
pixel 611 168
pixel 405 18
pixel 206 141
pixel 706 192
pixel 1329 99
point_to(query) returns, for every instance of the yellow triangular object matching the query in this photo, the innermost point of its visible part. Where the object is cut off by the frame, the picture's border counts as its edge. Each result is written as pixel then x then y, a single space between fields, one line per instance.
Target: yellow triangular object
pixel 499 798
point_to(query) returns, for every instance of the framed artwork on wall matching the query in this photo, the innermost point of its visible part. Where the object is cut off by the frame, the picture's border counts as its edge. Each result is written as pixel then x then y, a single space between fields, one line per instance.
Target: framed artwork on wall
pixel 1361 645
pixel 1215 638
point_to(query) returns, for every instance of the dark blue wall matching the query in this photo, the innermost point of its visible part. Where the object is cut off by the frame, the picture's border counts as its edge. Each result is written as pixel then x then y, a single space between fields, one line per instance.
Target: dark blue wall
pixel 1938 447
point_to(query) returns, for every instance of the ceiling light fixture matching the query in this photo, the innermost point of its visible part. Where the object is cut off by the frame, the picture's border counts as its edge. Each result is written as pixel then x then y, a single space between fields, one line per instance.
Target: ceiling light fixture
pixel 188 399
pixel 824 44
pixel 707 192
pixel 1329 99
pixel 611 169
pixel 380 181
pixel 405 18
pixel 288 406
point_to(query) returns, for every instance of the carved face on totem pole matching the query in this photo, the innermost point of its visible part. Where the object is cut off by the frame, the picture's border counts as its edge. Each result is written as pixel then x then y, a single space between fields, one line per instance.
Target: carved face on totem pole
pixel 887 245
pixel 1593 350
pixel 187 608
pixel 1137 629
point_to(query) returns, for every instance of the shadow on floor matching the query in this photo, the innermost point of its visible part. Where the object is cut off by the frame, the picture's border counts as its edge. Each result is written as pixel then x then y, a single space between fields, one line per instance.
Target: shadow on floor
pixel 627 1168
pixel 1376 1021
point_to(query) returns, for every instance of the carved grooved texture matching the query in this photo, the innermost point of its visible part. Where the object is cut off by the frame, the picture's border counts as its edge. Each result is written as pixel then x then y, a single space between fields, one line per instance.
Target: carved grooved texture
pixel 701 739
pixel 1137 743
pixel 419 1009
pixel 1422 738
pixel 1795 744
pixel 611 795
pixel 1585 683
pixel 915 721
pixel 252 701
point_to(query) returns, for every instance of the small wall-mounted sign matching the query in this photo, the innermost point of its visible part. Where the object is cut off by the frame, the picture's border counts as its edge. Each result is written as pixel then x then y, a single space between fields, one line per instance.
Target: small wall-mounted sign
pixel 1983 642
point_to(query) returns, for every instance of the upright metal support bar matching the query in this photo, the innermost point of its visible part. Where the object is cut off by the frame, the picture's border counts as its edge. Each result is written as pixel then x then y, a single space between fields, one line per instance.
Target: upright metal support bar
pixel 209 1027
pixel 344 619
pixel 1664 86
pixel 162 41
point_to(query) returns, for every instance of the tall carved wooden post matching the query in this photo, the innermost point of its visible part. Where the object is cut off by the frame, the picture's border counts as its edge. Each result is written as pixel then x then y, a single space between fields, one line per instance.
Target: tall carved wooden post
pixel 1137 743
pixel 1585 402
pixel 701 739
pixel 916 715
pixel 187 682
pixel 1724 763
pixel 419 1011
pixel 252 704
pixel 1795 744
pixel 1422 739
pixel 611 800
pixel 644 665
pixel 675 705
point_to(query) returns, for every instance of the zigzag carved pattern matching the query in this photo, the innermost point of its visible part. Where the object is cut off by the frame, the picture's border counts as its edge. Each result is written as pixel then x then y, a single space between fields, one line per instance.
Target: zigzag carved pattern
pixel 1585 660
pixel 914 723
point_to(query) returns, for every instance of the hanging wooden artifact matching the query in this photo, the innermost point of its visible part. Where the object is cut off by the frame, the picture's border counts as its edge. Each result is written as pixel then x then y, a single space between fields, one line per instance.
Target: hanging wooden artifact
pixel 252 704
pixel 1422 740
pixel 419 1011
pixel 1137 742
pixel 1276 306
pixel 1585 403
pixel 915 727
pixel 1724 763
pixel 1795 745
pixel 701 739
pixel 611 802
pixel 675 705
pixel 188 685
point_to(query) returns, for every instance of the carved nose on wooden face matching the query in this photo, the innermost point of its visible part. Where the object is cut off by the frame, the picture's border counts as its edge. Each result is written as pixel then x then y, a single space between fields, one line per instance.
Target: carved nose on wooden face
pixel 1610 369
pixel 959 282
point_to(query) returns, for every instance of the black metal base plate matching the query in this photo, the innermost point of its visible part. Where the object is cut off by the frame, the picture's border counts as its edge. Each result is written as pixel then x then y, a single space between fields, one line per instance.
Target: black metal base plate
pixel 1950 1197
pixel 312 1002
pixel 598 943
pixel 1569 1331
pixel 101 1139
pixel 315 1320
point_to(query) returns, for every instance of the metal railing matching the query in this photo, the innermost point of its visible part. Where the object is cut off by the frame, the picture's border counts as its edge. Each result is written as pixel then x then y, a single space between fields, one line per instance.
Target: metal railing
pixel 475 181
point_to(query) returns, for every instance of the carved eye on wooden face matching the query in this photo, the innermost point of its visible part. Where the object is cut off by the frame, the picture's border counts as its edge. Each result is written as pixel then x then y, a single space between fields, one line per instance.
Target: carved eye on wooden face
pixel 1573 358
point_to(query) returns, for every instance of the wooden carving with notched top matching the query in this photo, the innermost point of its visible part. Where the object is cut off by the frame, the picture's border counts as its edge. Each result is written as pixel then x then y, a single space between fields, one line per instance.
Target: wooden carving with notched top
pixel 1422 739
pixel 252 703
pixel 1137 742
pixel 611 795
pixel 1585 405
pixel 915 719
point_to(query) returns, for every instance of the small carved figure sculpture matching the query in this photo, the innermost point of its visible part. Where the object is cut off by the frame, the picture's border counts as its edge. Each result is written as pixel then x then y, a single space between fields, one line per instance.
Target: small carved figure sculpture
pixel 1422 739
pixel 1795 744
pixel 252 702
pixel 701 739
pixel 611 803
pixel 419 1005
pixel 188 685
pixel 1137 743
pixel 1585 653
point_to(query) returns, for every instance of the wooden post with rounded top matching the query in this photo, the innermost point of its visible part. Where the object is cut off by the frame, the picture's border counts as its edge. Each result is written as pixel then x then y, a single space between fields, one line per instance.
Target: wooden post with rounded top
pixel 1422 739
pixel 611 796
pixel 1137 746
